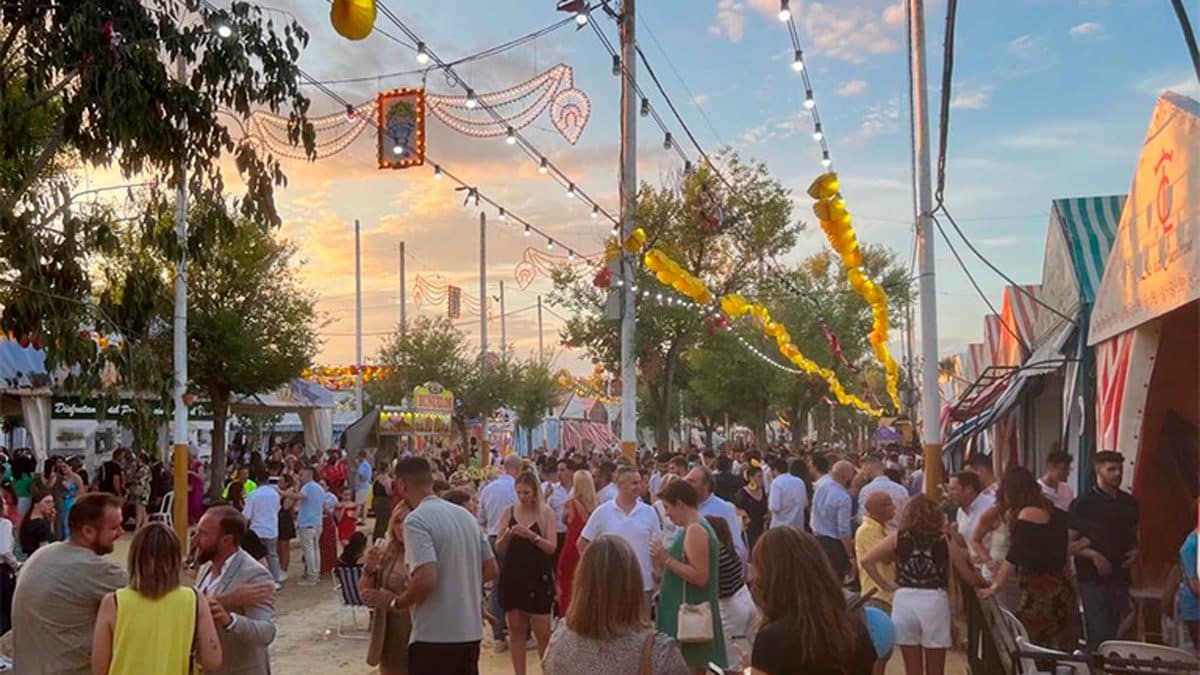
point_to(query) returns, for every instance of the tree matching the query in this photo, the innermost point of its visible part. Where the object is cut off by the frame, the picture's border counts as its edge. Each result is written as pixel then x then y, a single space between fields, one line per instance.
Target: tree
pixel 430 350
pixel 92 82
pixel 535 393
pixel 728 377
pixel 251 325
pixel 756 226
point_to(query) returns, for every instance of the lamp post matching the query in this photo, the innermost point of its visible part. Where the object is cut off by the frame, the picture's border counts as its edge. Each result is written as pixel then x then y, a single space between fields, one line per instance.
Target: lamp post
pixel 179 346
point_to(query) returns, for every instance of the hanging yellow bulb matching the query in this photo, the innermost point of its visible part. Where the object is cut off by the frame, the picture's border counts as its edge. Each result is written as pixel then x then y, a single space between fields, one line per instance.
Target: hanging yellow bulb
pixel 353 19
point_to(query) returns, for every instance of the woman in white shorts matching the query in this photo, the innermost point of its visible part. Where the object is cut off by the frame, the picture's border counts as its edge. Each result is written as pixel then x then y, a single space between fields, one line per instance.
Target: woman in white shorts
pixel 920 605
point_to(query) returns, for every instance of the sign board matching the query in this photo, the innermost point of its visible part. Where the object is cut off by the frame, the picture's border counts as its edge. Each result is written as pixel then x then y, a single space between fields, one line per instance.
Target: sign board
pixel 79 408
pixel 431 397
pixel 401 125
pixel 454 302
pixel 1154 266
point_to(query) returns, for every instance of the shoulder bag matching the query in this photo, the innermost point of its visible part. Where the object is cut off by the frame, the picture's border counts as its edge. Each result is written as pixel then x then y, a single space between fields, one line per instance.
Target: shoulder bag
pixel 695 622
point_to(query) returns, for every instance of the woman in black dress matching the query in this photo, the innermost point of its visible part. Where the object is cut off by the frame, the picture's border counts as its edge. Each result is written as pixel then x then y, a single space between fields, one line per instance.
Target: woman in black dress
pixel 381 504
pixel 752 500
pixel 527 544
pixel 287 521
pixel 36 529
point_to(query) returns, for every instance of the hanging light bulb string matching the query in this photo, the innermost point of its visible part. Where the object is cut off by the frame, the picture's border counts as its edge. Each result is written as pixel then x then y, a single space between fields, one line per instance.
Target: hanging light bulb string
pixel 810 102
pixel 471 101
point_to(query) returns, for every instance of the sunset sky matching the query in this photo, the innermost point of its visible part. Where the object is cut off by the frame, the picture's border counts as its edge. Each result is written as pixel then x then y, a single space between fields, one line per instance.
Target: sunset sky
pixel 1050 99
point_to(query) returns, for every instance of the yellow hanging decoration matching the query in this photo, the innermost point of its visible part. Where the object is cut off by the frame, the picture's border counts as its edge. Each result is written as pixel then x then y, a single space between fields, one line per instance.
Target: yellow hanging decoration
pixel 353 19
pixel 635 241
pixel 835 221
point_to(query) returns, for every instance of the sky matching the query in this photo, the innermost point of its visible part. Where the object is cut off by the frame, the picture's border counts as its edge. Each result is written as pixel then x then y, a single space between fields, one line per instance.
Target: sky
pixel 1050 98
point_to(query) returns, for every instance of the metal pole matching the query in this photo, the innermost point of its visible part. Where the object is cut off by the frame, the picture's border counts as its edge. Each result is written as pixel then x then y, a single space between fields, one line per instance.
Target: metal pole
pixel 358 357
pixel 403 296
pixel 628 196
pixel 541 349
pixel 931 432
pixel 179 467
pixel 503 321
pixel 485 455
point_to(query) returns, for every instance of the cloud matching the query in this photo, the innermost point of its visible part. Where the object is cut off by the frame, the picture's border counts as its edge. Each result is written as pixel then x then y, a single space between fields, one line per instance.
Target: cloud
pixel 1088 31
pixel 878 119
pixel 893 15
pixel 999 241
pixel 852 88
pixel 730 21
pixel 1178 81
pixel 701 100
pixel 843 32
pixel 966 98
pixel 1023 45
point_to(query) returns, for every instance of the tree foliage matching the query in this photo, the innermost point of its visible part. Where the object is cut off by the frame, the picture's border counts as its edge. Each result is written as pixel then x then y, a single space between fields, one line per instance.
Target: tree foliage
pixel 534 394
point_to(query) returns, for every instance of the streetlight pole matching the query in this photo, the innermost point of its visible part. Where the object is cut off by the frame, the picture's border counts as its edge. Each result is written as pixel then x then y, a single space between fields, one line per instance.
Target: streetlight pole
pixel 179 515
pixel 358 357
pixel 403 296
pixel 628 196
pixel 484 453
pixel 503 319
pixel 931 433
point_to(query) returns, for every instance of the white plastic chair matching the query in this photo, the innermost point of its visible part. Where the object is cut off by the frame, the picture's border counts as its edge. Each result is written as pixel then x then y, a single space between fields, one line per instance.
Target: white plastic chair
pixel 1144 651
pixel 1028 664
pixel 164 512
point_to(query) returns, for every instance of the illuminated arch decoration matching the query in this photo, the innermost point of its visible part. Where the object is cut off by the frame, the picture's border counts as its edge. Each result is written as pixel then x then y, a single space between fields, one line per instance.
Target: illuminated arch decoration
pixel 539 262
pixel 517 107
pixel 436 292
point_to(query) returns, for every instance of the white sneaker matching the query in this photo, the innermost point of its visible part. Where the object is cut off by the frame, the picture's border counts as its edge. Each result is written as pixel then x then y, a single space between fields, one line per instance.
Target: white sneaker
pixel 306 582
pixel 278 585
pixel 283 577
pixel 500 645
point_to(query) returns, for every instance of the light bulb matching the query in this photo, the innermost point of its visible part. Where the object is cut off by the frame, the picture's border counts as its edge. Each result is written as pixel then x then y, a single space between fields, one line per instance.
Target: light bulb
pixel 581 18
pixel 570 254
pixel 571 191
pixel 645 107
pixel 510 137
pixel 527 232
pixel 817 133
pixel 616 69
pixel 503 216
pixel 595 211
pixel 549 243
pixel 798 61
pixel 397 149
pixel 667 142
pixel 616 230
pixel 785 12
pixel 224 31
pixel 437 172
pixel 422 55
pixel 809 102
pixel 472 103
pixel 544 167
pixel 825 161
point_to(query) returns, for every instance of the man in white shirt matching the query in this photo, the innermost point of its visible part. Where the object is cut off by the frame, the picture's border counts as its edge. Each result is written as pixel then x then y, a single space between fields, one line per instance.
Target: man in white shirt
pixel 711 505
pixel 629 518
pixel 965 490
pixel 873 468
pixel 663 468
pixel 788 498
pixel 493 499
pixel 557 493
pixel 606 486
pixel 262 510
pixel 1054 481
pixel 981 465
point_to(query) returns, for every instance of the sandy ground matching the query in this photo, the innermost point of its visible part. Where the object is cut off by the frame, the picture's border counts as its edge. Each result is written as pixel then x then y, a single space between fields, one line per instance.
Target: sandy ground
pixel 307 640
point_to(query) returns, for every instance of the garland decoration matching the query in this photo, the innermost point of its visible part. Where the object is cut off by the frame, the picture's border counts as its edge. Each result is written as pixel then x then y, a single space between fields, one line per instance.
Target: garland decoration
pixel 831 211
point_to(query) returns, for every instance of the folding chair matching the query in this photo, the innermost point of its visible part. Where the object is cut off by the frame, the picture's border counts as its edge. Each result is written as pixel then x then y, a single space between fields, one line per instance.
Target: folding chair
pixel 345 584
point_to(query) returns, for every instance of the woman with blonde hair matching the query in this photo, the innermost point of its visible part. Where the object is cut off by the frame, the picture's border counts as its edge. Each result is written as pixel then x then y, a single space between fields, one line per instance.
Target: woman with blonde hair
pixel 806 627
pixel 604 632
pixel 576 514
pixel 527 541
pixel 384 578
pixel 154 624
pixel 924 556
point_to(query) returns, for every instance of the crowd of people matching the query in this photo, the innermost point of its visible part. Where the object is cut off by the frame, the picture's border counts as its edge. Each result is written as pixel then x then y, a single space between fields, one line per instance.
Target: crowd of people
pixel 782 562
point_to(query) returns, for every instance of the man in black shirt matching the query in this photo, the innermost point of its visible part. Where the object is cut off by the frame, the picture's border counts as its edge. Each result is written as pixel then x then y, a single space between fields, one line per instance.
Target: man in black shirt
pixel 726 483
pixel 1104 540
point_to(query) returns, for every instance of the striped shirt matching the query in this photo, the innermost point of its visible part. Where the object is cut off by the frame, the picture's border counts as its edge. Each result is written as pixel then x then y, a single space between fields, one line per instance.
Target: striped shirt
pixel 729 578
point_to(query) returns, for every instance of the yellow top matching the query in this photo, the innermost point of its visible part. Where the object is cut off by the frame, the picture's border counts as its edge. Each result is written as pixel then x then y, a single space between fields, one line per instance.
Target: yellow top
pixel 154 636
pixel 869 534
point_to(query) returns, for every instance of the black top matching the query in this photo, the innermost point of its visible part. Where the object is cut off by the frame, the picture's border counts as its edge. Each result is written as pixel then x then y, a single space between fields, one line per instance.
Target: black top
pixel 34 533
pixel 253 545
pixel 108 475
pixel 756 510
pixel 726 485
pixel 730 578
pixel 1040 547
pixel 774 653
pixel 1111 525
pixel 922 560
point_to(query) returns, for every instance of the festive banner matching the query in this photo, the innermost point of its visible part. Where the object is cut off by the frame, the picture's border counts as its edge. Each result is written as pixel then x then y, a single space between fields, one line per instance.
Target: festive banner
pixel 453 302
pixel 401 124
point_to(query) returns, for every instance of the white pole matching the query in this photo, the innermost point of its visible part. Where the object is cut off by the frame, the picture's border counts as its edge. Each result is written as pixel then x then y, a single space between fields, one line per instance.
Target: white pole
pixel 403 296
pixel 628 196
pixel 930 400
pixel 179 345
pixel 358 357
pixel 503 321
pixel 483 336
pixel 541 349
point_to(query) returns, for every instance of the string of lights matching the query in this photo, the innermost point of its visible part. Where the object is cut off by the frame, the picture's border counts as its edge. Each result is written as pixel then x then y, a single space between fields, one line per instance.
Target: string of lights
pixel 426 55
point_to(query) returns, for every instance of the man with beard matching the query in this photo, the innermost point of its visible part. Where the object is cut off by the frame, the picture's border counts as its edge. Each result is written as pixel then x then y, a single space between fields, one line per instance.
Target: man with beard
pixel 240 592
pixel 59 591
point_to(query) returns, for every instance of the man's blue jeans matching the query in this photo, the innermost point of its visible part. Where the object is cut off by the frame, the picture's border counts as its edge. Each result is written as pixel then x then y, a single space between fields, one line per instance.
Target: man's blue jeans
pixel 1103 606
pixel 500 628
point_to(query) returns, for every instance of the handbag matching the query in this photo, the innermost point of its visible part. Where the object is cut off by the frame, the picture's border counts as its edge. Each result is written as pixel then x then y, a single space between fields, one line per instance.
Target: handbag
pixel 694 622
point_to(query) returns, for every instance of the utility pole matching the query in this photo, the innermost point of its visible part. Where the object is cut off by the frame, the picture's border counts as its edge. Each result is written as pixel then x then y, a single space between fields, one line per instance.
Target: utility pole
pixel 358 359
pixel 485 458
pixel 931 432
pixel 503 321
pixel 179 516
pixel 628 196
pixel 403 296
pixel 541 348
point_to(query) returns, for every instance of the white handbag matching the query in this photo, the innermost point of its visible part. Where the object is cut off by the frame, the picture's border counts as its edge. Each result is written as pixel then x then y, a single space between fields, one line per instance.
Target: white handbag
pixel 695 622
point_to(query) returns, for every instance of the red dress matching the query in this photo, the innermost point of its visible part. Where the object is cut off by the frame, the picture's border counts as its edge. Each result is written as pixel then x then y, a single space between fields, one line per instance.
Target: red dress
pixel 347 521
pixel 568 558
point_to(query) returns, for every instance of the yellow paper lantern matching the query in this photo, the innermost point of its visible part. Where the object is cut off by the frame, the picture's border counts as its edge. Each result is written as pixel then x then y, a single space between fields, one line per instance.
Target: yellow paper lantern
pixel 826 185
pixel 635 241
pixel 353 19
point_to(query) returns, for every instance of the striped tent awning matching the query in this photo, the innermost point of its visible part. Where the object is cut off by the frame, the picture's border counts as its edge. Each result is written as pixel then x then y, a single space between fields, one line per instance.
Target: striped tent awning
pixel 596 435
pixel 1019 312
pixel 1090 226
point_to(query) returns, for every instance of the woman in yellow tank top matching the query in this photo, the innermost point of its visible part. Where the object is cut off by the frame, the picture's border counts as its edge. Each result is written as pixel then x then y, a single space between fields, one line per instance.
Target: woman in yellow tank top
pixel 154 624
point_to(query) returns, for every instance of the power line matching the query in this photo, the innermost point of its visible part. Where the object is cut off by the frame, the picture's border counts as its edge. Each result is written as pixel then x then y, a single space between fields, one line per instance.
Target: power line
pixel 978 290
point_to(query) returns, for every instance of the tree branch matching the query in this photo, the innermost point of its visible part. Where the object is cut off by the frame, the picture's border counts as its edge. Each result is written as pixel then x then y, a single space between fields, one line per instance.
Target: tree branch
pixel 52 91
pixel 52 145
